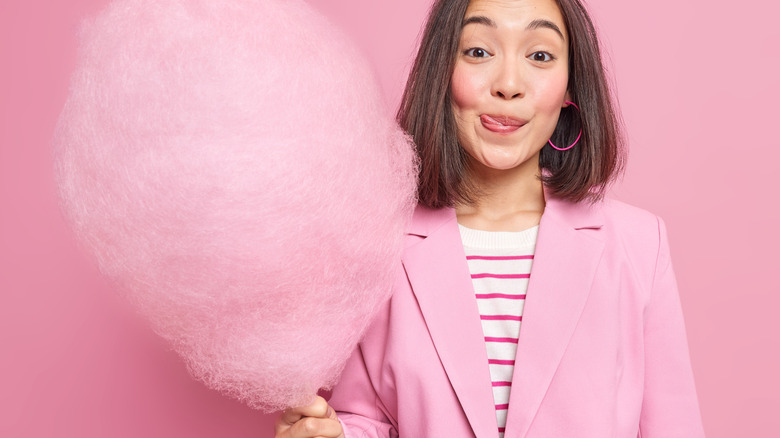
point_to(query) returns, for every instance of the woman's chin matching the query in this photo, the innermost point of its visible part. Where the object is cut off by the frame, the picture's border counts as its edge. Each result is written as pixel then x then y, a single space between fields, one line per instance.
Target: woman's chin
pixel 503 163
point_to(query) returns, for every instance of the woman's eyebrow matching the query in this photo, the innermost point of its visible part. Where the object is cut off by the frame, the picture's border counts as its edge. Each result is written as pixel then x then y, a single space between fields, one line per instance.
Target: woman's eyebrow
pixel 539 23
pixel 479 19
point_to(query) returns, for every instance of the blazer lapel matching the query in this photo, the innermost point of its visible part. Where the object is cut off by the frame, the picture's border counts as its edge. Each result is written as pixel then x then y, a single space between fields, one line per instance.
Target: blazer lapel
pixel 440 279
pixel 561 278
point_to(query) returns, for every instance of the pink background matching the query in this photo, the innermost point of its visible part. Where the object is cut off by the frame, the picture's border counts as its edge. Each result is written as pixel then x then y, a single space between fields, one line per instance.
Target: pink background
pixel 697 85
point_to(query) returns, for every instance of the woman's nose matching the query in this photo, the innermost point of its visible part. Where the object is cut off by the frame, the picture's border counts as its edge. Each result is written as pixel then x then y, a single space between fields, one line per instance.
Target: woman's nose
pixel 508 82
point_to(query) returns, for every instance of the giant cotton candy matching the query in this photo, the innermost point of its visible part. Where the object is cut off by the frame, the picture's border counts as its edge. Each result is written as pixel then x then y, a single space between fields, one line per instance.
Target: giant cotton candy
pixel 234 171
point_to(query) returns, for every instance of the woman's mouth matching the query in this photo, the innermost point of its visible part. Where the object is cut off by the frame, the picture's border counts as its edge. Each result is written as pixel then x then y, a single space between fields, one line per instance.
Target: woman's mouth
pixel 501 124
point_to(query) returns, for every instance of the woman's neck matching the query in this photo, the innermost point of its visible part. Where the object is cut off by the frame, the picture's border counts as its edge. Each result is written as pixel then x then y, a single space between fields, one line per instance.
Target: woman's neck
pixel 505 200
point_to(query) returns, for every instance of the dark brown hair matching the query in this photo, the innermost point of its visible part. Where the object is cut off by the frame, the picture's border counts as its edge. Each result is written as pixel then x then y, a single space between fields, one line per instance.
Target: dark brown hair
pixel 580 173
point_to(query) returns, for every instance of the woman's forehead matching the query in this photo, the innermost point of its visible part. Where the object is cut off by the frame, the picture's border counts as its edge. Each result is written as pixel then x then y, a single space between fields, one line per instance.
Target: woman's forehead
pixel 514 11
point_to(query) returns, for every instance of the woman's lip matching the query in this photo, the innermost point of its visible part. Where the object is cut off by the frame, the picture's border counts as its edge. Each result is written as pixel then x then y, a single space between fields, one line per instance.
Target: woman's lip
pixel 501 124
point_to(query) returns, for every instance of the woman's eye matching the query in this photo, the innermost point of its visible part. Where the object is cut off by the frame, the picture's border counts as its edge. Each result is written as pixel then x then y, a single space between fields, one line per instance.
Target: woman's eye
pixel 476 52
pixel 542 56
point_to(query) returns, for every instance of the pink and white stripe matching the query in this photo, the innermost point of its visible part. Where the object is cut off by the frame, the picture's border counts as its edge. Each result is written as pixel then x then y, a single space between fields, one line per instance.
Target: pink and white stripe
pixel 500 266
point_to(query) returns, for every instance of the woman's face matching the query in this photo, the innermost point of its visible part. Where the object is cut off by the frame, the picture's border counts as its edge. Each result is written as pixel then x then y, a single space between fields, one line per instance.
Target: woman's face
pixel 510 80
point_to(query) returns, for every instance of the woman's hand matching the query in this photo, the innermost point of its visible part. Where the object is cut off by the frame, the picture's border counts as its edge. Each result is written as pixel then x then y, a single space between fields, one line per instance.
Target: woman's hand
pixel 317 419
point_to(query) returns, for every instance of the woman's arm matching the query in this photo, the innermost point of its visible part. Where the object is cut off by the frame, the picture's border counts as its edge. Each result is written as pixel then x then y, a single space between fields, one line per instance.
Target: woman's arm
pixel 360 409
pixel 670 408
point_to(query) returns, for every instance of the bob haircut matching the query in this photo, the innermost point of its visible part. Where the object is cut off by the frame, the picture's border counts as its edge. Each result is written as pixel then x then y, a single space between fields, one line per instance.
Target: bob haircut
pixel 581 173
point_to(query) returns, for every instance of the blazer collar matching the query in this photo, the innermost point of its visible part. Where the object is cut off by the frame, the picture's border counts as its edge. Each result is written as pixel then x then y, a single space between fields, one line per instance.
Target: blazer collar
pixel 569 247
pixel 574 215
pixel 441 282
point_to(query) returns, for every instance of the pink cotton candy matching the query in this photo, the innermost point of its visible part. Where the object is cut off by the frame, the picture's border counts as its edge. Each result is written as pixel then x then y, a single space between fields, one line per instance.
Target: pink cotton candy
pixel 235 172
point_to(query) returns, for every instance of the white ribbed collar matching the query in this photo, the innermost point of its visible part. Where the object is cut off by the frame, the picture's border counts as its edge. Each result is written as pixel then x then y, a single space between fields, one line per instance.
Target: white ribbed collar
pixel 498 239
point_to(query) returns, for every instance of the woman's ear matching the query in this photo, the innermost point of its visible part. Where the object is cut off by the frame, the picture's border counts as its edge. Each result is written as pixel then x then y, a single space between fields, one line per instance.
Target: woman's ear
pixel 566 98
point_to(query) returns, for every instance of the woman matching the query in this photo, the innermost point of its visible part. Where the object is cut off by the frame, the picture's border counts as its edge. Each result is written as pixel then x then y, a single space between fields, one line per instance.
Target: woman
pixel 526 304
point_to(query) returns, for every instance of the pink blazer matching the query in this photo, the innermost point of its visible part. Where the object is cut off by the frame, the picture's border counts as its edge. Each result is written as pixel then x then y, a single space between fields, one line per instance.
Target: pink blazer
pixel 602 349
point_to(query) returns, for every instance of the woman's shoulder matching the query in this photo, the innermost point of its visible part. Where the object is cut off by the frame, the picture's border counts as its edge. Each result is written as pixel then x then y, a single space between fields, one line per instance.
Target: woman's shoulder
pixel 624 228
pixel 640 232
pixel 606 214
pixel 628 238
pixel 426 220
pixel 624 216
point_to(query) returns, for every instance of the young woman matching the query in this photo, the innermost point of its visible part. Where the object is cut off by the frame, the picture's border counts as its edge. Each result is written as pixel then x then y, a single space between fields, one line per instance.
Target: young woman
pixel 526 305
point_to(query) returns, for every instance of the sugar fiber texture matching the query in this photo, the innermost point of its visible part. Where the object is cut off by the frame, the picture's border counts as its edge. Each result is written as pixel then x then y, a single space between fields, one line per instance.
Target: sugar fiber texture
pixel 233 169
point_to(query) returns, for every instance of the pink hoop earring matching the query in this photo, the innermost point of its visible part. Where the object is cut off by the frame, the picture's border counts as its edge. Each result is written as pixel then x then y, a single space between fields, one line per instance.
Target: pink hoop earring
pixel 575 141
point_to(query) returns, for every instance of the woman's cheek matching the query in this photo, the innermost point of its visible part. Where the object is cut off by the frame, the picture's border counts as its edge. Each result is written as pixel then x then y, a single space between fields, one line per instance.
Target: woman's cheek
pixel 465 86
pixel 552 91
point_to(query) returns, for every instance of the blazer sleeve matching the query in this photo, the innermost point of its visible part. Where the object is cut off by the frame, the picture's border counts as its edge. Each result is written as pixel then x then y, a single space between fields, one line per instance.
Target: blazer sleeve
pixel 670 407
pixel 360 411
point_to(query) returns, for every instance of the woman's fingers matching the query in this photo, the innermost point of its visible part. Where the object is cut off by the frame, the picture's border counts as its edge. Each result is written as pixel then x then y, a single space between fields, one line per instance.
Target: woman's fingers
pixel 316 427
pixel 316 419
pixel 318 408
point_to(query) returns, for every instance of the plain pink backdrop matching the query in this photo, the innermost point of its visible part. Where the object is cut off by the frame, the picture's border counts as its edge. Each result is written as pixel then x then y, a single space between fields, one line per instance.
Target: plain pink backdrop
pixel 697 85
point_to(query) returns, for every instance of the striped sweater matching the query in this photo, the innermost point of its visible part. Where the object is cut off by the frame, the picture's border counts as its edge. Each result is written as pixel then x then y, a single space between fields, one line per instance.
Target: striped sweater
pixel 500 266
